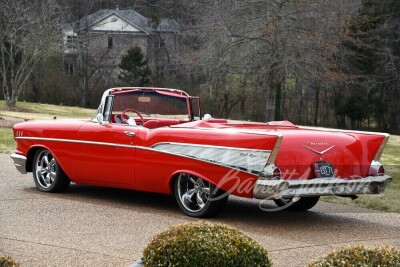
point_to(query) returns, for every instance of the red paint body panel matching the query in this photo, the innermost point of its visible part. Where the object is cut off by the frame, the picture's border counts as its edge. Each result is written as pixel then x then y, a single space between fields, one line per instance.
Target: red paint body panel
pixel 123 156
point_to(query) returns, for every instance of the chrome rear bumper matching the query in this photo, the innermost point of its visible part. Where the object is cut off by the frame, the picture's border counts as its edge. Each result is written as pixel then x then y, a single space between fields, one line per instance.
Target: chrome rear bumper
pixel 268 189
pixel 19 162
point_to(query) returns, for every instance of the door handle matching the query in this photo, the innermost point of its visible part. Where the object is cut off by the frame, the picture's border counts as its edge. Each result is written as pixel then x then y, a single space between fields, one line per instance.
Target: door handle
pixel 128 133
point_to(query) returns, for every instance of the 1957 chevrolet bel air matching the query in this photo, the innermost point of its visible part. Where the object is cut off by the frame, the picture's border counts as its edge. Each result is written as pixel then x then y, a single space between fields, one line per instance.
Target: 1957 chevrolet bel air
pixel 155 140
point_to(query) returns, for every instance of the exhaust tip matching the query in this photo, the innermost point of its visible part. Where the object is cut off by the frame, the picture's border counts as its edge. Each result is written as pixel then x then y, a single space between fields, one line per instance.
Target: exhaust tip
pixel 377 188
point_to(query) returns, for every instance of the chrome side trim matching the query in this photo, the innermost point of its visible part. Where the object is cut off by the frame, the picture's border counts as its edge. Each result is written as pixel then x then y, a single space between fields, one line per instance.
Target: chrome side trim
pixel 343 131
pixel 231 130
pixel 75 141
pixel 275 151
pixel 220 164
pixel 209 146
pixel 251 160
pixel 257 174
pixel 137 147
pixel 264 189
pixel 19 162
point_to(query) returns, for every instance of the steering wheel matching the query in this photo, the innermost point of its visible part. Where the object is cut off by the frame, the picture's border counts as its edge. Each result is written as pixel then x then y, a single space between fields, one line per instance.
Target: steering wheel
pixel 130 110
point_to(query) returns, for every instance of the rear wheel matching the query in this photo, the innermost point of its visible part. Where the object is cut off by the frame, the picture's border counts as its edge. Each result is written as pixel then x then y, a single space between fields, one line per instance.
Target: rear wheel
pixel 47 173
pixel 297 203
pixel 198 198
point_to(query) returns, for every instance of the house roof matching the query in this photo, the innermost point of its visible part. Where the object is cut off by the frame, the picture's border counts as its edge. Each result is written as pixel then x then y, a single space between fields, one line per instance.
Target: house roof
pixel 132 17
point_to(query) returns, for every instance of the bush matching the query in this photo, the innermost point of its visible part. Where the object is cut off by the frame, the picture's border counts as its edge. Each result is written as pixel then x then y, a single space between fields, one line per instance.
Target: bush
pixel 7 261
pixel 360 256
pixel 204 244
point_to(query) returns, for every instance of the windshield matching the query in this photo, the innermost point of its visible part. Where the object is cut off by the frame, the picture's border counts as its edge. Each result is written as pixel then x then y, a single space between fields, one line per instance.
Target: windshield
pixel 152 104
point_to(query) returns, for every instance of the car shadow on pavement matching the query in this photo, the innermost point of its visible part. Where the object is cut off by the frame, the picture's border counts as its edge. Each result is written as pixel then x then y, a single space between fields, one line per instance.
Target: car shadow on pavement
pixel 237 209
pixel 122 198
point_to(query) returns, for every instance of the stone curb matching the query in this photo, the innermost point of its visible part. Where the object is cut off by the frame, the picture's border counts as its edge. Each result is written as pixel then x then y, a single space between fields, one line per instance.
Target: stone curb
pixel 138 263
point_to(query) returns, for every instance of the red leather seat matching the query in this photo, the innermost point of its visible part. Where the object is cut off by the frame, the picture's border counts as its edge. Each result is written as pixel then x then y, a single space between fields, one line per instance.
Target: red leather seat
pixel 151 124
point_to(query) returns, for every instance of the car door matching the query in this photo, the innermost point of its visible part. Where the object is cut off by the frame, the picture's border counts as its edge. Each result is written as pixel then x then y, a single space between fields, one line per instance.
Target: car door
pixel 106 154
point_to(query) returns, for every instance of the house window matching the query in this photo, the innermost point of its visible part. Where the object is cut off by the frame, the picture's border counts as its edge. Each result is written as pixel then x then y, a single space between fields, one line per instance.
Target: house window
pixel 162 43
pixel 69 69
pixel 71 40
pixel 110 43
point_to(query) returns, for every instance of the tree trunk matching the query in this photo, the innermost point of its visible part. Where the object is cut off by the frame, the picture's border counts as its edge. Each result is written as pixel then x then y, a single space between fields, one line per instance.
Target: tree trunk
pixel 299 105
pixel 316 105
pixel 10 103
pixel 270 105
pixel 82 73
pixel 278 101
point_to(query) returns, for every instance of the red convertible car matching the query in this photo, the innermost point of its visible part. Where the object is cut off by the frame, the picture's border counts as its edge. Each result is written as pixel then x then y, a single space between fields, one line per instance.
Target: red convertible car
pixel 155 140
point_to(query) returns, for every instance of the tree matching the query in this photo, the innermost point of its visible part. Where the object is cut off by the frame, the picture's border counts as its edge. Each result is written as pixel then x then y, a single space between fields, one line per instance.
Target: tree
pixel 372 60
pixel 285 45
pixel 134 69
pixel 29 34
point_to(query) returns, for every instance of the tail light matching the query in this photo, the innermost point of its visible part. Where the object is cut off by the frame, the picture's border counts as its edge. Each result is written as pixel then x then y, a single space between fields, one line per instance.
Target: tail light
pixel 381 170
pixel 277 173
pixel 376 169
pixel 271 172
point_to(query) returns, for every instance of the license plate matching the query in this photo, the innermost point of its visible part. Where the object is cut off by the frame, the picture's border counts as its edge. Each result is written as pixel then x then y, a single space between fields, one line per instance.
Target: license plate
pixel 323 169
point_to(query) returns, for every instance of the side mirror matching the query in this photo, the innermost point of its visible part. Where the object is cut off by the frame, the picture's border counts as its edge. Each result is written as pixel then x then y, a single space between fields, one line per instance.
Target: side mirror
pixel 100 118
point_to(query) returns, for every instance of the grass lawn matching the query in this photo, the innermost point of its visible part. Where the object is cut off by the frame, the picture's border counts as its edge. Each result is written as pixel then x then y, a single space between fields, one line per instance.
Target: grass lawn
pixel 34 111
pixel 389 201
pixel 7 142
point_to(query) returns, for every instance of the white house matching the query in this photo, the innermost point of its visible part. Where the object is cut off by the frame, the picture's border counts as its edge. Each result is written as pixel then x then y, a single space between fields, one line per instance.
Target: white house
pixel 101 38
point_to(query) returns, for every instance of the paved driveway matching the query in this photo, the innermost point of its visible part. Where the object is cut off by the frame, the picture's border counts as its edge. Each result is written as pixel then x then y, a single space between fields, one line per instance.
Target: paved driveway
pixel 88 226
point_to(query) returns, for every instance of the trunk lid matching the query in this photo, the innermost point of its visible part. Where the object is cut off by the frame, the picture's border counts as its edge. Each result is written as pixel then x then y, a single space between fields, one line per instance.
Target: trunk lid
pixel 350 153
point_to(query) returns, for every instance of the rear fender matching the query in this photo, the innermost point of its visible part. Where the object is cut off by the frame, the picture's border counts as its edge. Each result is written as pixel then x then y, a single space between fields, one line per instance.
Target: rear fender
pixel 232 181
pixel 372 148
pixel 176 174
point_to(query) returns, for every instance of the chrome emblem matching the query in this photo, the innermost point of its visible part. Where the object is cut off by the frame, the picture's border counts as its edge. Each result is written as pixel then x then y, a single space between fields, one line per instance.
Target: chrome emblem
pixel 316 151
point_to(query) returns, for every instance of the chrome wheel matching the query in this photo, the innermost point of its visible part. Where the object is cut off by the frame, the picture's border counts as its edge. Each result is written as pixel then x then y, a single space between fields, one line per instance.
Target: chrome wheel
pixel 198 198
pixel 193 192
pixel 47 173
pixel 46 169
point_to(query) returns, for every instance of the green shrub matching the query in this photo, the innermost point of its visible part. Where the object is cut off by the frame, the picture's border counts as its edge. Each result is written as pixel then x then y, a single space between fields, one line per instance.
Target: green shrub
pixel 360 256
pixel 7 261
pixel 204 244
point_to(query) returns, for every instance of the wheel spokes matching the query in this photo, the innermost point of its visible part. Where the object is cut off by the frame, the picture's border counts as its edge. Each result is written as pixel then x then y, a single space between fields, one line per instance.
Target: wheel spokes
pixel 190 193
pixel 46 169
pixel 187 196
pixel 192 180
pixel 199 200
pixel 46 160
pixel 47 179
pixel 193 192
pixel 206 190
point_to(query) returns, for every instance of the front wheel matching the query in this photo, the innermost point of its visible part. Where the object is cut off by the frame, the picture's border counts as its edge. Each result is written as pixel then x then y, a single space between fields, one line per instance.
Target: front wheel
pixel 47 173
pixel 198 198
pixel 297 203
